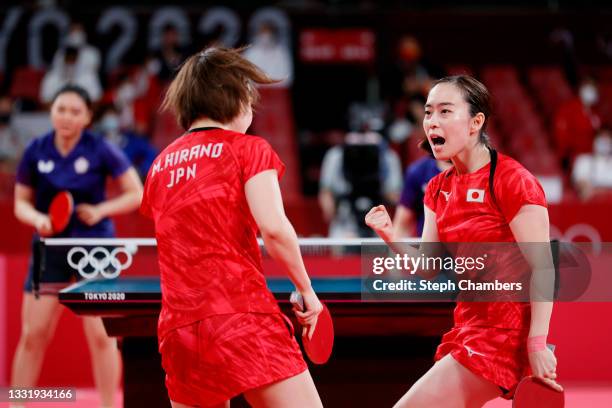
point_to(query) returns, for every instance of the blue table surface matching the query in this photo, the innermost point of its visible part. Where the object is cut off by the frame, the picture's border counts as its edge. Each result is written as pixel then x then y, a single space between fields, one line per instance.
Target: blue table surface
pixel 152 285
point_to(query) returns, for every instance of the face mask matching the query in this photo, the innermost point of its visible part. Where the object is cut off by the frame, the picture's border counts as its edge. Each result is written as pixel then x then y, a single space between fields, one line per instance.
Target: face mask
pixel 153 67
pixel 126 94
pixel 110 124
pixel 400 130
pixel 602 146
pixel 69 70
pixel 76 38
pixel 265 38
pixel 588 95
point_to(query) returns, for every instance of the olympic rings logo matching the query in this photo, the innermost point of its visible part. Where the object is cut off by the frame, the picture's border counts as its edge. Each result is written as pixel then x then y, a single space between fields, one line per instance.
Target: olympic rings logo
pixel 579 231
pixel 99 260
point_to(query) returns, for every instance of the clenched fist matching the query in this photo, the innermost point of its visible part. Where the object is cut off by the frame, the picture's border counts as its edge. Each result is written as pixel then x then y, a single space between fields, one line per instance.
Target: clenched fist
pixel 379 220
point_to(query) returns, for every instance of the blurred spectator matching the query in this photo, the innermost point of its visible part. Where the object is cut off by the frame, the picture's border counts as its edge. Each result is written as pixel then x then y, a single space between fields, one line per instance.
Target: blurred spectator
pixel 355 176
pixel 88 55
pixel 135 146
pixel 136 93
pixel 169 55
pixel 68 71
pixel 407 119
pixel 273 57
pixel 413 80
pixel 576 122
pixel 416 78
pixel 405 128
pixel 563 39
pixel 11 144
pixel 592 172
pixel 149 90
pixel 129 89
pixel 364 117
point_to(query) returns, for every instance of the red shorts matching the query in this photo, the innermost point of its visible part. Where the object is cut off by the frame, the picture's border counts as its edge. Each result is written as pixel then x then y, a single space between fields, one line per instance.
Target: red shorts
pixel 495 354
pixel 220 357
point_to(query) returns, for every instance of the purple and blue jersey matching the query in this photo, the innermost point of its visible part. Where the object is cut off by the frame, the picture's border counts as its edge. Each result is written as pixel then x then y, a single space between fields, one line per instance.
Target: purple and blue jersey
pixel 416 178
pixel 83 172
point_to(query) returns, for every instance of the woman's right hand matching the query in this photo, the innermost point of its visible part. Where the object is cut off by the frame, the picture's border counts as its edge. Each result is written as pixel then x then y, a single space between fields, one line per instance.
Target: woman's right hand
pixel 308 319
pixel 43 225
pixel 379 220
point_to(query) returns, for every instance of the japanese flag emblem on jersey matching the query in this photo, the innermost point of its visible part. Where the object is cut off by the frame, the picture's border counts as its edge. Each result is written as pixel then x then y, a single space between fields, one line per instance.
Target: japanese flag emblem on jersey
pixel 81 165
pixel 475 195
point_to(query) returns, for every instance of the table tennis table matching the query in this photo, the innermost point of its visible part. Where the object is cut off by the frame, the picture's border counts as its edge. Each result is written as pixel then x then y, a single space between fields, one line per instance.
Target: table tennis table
pixel 129 307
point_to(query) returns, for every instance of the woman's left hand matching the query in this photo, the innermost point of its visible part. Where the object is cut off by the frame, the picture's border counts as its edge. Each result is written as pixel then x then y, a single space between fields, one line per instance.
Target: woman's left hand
pixel 89 214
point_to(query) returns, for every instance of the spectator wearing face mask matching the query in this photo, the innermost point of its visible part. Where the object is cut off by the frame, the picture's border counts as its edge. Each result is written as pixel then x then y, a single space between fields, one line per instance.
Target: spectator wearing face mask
pixel 88 55
pixel 135 146
pixel 576 123
pixel 592 173
pixel 271 56
pixel 170 54
pixel 128 90
pixel 11 144
pixel 69 72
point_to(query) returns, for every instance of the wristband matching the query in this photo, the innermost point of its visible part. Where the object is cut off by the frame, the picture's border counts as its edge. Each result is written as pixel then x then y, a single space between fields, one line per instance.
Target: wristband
pixel 536 343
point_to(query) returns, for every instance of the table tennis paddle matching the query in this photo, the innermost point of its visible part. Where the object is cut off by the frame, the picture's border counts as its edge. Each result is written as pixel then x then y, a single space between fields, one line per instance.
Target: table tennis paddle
pixel 320 346
pixel 533 393
pixel 60 211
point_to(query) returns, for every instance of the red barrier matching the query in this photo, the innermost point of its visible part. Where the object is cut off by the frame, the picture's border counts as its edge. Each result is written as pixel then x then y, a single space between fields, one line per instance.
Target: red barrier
pixel 3 324
pixel 582 333
pixel 69 339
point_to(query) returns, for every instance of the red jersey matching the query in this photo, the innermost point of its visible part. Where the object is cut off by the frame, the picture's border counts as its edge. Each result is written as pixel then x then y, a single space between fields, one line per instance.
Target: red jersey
pixel 209 258
pixel 466 212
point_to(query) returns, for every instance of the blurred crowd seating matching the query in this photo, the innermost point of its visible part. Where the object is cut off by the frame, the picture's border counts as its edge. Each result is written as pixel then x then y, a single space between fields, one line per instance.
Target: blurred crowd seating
pixel 526 100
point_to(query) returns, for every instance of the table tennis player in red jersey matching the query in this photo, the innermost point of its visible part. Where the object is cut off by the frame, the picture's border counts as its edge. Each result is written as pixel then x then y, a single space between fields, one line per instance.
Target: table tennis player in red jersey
pixel 221 332
pixel 492 344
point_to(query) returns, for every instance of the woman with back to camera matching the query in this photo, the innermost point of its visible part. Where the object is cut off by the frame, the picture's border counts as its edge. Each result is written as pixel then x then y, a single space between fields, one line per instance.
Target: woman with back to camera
pixel 221 332
pixel 492 344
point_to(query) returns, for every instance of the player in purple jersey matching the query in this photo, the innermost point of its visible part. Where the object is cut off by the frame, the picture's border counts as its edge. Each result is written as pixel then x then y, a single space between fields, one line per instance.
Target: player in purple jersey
pixel 69 158
pixel 409 215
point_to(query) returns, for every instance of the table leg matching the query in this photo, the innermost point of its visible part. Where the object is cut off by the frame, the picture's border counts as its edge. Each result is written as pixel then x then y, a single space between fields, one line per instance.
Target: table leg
pixel 143 377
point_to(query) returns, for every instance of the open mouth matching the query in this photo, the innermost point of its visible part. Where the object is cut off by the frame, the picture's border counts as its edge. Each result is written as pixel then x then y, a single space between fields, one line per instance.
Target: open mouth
pixel 438 140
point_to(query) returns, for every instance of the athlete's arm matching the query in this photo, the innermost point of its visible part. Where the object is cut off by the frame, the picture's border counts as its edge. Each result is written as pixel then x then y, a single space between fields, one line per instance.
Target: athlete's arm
pixel 379 220
pixel 531 226
pixel 266 204
pixel 430 227
pixel 26 212
pixel 327 203
pixel 128 200
pixel 429 240
pixel 404 222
